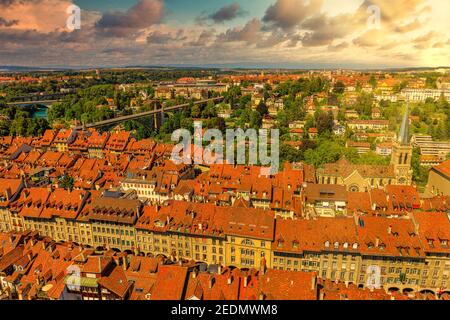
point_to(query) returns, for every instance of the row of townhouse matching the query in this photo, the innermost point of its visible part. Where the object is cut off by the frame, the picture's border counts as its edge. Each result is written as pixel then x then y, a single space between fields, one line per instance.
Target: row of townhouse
pixel 37 268
pixel 193 91
pixel 90 143
pixel 408 253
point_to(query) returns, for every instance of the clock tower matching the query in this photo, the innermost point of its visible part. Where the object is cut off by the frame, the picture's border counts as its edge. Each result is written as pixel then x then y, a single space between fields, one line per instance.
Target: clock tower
pixel 402 153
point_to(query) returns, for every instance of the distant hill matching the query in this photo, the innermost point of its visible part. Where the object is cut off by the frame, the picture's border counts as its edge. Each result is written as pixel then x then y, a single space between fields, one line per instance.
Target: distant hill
pixel 229 66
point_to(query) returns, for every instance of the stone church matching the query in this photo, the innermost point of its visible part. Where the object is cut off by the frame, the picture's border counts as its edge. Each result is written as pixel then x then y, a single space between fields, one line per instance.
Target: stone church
pixel 360 178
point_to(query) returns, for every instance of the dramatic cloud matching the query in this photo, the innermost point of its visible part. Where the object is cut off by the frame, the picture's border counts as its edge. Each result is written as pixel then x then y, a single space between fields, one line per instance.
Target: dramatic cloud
pixel 370 38
pixel 425 40
pixel 204 39
pixel 416 24
pixel 323 30
pixel 250 33
pixel 226 13
pixel 393 12
pixel 126 24
pixel 287 14
pixel 39 15
pixel 288 31
pixel 7 23
pixel 339 46
pixel 158 37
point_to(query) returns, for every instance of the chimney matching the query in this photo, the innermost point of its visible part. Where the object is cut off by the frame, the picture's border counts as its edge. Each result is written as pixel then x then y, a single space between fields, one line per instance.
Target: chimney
pixel 245 281
pixel 377 242
pixel 313 283
pixel 138 211
pixel 261 296
pixel 321 295
pixel 219 269
pixel 124 263
pixel 211 282
pixel 389 230
pixel 230 280
pixel 194 273
pixel 262 267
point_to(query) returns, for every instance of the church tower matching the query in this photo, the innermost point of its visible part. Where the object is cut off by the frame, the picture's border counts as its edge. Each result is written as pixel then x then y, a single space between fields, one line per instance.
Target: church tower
pixel 402 153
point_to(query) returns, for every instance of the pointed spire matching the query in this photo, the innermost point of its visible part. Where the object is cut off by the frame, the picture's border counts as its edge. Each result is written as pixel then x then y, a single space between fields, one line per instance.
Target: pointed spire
pixel 403 137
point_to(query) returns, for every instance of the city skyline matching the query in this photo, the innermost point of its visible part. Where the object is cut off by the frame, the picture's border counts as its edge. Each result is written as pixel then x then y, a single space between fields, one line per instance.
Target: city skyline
pixel 276 33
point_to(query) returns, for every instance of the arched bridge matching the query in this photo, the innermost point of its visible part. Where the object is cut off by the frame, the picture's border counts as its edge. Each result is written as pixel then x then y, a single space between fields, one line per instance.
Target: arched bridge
pixel 136 116
pixel 46 103
pixel 33 99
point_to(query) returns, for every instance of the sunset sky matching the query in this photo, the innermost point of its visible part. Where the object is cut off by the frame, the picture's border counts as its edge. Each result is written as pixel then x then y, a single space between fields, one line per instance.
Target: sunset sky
pixel 253 33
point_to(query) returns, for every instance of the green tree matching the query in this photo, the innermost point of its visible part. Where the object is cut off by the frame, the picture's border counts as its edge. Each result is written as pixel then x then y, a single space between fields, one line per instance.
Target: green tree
pixel 262 108
pixel 325 122
pixel 66 182
pixel 373 81
pixel 196 111
pixel 339 87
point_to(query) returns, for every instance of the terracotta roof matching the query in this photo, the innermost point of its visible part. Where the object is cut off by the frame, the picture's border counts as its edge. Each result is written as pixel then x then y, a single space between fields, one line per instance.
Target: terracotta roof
pixel 287 285
pixel 395 237
pixel 444 168
pixel 434 231
pixel 315 235
pixel 344 168
pixel 169 284
pixel 115 210
pixel 116 282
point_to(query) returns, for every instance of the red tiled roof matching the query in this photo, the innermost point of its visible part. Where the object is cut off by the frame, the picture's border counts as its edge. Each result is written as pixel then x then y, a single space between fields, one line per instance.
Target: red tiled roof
pixel 444 168
pixel 169 283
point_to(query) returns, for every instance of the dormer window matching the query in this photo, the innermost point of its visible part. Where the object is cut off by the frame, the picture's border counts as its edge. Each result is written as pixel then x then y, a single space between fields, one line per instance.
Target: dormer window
pixel 346 245
pixel 382 246
pixel 280 243
pixel 355 246
pixel 430 242
pixel 336 245
pixel 444 243
pixel 327 244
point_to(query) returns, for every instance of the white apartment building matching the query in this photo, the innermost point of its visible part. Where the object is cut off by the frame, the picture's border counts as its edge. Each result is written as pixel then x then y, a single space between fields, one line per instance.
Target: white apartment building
pixel 420 95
